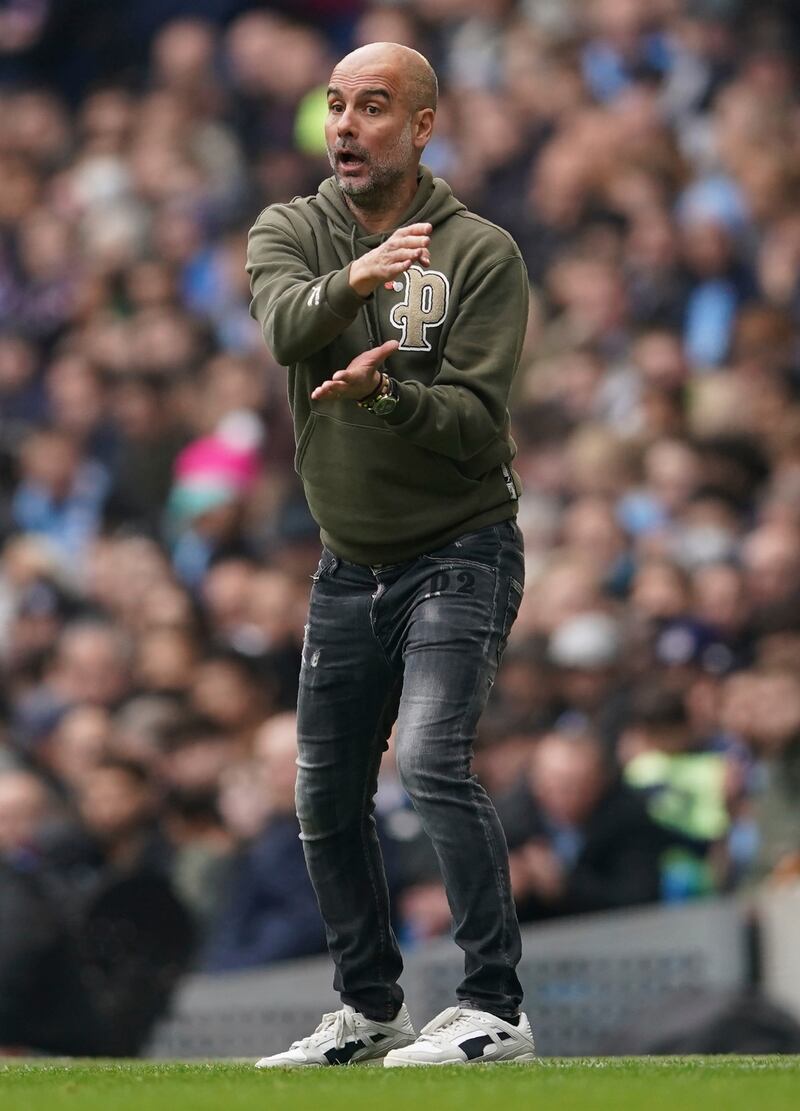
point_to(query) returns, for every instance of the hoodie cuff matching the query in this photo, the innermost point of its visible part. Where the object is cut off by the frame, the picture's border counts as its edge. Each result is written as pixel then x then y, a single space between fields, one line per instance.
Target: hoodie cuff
pixel 342 298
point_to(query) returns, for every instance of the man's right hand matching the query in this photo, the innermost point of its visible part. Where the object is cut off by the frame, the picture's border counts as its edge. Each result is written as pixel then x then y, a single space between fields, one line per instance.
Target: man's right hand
pixel 403 247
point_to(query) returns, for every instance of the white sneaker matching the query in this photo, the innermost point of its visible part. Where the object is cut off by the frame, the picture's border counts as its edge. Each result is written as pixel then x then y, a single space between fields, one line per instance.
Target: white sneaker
pixel 460 1036
pixel 345 1037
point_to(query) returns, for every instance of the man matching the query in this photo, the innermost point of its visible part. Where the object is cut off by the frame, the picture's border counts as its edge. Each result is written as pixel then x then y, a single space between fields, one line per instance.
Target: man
pixel 688 788
pixel 44 1003
pixel 271 913
pixel 580 839
pixel 408 475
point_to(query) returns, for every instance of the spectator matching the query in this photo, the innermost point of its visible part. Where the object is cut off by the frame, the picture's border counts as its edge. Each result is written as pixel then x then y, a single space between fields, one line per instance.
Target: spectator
pixel 25 808
pixel 92 663
pixel 149 438
pixel 193 752
pixel 118 808
pixel 271 911
pixel 586 655
pixel 579 840
pixel 59 496
pixel 81 742
pixel 43 1003
pixel 770 719
pixel 202 848
pixel 686 788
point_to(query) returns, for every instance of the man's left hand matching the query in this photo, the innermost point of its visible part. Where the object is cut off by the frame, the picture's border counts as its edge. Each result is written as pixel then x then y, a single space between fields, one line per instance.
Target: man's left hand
pixel 359 379
pixel 543 872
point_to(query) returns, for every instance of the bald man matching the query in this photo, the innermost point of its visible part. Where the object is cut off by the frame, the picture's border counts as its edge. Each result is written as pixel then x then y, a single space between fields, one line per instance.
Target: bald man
pixel 400 316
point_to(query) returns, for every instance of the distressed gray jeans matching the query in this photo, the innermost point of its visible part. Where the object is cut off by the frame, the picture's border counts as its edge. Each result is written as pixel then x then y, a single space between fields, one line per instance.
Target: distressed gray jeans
pixel 417 642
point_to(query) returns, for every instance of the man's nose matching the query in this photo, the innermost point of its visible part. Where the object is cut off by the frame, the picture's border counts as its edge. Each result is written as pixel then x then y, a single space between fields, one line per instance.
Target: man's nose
pixel 346 124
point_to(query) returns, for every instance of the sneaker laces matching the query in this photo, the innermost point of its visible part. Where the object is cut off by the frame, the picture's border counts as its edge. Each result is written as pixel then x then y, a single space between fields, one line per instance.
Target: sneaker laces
pixel 336 1023
pixel 453 1020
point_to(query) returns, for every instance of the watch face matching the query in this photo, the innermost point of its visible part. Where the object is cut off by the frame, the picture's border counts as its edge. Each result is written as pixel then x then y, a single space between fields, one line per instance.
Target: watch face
pixel 384 405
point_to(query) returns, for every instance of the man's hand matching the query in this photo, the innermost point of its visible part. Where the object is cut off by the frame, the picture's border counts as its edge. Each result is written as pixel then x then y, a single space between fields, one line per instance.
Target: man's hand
pixel 535 870
pixel 387 261
pixel 545 874
pixel 359 379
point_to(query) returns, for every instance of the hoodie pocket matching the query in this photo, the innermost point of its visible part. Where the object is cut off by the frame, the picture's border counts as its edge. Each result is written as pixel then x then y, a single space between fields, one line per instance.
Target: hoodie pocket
pixel 377 495
pixel 304 441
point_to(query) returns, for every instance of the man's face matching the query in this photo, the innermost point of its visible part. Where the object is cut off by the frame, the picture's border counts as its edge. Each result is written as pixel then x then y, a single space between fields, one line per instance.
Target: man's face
pixel 23 809
pixel 369 130
pixel 112 803
pixel 91 667
pixel 567 779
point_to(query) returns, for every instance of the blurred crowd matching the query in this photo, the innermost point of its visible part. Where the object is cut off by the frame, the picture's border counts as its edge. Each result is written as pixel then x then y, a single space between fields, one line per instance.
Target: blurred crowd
pixel 642 740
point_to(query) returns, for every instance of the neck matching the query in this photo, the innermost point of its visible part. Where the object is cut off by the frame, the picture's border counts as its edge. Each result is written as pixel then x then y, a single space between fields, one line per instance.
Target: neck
pixel 384 211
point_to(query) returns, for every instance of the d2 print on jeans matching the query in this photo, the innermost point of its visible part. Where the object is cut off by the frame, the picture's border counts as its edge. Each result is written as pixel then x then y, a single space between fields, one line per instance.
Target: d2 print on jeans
pixel 424 306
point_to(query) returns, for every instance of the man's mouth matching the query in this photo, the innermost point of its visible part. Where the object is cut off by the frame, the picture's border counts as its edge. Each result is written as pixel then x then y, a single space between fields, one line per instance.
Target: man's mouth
pixel 349 160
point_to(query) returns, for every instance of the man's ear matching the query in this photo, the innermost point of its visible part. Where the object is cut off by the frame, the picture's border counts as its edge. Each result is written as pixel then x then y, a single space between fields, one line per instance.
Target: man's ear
pixel 423 127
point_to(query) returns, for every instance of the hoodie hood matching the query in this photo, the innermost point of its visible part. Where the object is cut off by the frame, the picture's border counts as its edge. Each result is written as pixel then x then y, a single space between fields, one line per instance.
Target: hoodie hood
pixel 432 204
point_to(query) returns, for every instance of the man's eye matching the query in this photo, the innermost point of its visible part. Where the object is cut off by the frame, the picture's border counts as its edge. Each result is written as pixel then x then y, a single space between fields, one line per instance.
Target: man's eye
pixel 334 107
pixel 372 109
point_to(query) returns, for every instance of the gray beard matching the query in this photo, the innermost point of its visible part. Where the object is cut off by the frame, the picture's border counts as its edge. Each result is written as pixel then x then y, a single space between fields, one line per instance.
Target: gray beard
pixel 383 181
pixel 374 194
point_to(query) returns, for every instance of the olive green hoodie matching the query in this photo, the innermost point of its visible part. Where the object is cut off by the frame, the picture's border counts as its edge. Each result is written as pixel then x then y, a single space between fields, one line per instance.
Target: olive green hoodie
pixel 386 489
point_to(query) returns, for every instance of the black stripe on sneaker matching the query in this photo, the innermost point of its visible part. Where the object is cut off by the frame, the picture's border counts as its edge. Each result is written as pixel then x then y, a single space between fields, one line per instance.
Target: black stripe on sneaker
pixel 474 1047
pixel 341 1055
pixel 503 1035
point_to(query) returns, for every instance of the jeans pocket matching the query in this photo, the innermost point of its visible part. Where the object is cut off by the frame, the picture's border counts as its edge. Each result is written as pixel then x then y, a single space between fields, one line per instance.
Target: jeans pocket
pixel 327 565
pixel 513 602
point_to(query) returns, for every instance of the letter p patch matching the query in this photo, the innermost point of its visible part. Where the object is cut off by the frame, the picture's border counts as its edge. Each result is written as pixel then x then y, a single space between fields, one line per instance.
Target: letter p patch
pixel 424 306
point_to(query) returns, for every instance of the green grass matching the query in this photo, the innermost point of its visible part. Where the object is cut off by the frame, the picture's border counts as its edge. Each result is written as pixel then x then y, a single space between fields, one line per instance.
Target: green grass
pixel 552 1084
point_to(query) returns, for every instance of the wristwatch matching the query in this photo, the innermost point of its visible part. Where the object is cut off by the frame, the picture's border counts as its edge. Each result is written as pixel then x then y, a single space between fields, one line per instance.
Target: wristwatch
pixel 382 400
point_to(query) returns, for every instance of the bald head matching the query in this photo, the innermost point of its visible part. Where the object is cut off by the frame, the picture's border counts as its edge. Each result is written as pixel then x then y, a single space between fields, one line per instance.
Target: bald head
pixel 381 108
pixel 568 775
pixel 408 70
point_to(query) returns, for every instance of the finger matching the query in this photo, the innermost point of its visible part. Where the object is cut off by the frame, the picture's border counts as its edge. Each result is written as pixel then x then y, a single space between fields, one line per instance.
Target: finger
pixel 409 241
pixel 328 389
pixel 408 245
pixel 377 354
pixel 407 254
pixel 415 229
pixel 404 253
pixel 398 267
pixel 322 392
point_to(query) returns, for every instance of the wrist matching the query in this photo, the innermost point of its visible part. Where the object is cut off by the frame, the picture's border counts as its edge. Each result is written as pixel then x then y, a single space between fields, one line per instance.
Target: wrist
pixel 375 389
pixel 383 401
pixel 362 284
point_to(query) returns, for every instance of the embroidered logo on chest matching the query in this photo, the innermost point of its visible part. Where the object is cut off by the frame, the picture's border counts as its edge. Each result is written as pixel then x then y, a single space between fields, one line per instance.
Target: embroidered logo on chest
pixel 426 297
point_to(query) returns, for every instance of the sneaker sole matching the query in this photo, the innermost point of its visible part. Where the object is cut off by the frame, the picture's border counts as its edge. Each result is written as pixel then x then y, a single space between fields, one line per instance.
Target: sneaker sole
pixel 389 1063
pixel 289 1065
